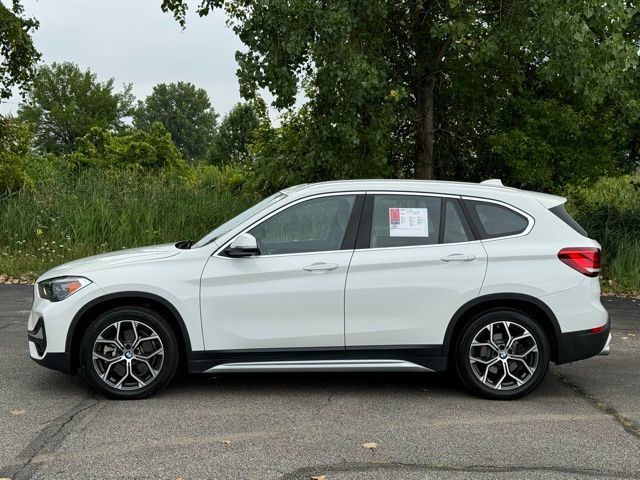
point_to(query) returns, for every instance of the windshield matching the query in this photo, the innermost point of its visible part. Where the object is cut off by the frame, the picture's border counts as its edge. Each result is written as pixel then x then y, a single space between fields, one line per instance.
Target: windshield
pixel 237 220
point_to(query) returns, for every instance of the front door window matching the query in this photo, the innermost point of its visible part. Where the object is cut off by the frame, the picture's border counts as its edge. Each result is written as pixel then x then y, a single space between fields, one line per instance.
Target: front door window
pixel 316 225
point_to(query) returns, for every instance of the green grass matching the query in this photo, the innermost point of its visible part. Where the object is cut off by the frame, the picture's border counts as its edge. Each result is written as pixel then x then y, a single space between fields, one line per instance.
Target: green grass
pixel 622 270
pixel 67 216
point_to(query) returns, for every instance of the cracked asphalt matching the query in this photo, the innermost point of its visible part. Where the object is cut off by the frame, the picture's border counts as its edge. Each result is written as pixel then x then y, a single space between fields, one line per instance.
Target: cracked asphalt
pixel 582 422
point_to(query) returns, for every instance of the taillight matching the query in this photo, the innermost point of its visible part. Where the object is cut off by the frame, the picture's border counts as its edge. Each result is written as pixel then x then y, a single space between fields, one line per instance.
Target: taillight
pixel 585 260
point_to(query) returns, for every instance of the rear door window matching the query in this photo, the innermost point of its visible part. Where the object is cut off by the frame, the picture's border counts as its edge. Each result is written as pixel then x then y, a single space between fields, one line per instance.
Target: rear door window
pixel 456 228
pixel 405 220
pixel 412 220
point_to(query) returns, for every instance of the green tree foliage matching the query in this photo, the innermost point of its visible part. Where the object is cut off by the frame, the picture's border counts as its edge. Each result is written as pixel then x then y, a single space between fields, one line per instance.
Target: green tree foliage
pixel 236 132
pixel 186 113
pixel 551 99
pixel 18 56
pixel 281 159
pixel 65 103
pixel 138 149
pixel 14 149
pixel 544 143
pixel 418 86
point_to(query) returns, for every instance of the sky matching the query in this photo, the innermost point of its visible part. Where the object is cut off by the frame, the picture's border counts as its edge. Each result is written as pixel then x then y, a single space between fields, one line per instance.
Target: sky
pixel 133 41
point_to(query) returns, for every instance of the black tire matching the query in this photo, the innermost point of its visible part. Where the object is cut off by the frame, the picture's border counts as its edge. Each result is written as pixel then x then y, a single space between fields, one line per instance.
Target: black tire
pixel 518 323
pixel 147 322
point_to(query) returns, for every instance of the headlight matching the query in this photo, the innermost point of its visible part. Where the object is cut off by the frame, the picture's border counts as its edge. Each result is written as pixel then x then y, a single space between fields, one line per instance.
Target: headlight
pixel 57 289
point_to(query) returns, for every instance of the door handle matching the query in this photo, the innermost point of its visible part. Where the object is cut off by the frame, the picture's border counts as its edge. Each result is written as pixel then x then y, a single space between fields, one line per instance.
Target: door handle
pixel 458 257
pixel 320 267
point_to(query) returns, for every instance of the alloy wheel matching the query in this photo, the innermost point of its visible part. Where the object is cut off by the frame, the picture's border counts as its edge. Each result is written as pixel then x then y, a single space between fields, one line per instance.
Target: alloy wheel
pixel 504 355
pixel 128 355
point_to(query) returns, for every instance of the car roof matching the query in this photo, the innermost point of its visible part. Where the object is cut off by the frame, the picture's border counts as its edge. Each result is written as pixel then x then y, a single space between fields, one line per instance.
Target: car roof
pixel 490 189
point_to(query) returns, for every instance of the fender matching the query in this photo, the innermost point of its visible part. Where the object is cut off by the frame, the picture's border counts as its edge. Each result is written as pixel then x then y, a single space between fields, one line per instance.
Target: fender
pixel 497 298
pixel 124 295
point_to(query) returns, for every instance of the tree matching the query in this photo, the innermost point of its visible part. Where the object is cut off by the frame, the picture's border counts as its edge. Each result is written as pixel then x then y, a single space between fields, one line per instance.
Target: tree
pixel 17 53
pixel 14 149
pixel 283 157
pixel 370 68
pixel 135 149
pixel 185 111
pixel 65 103
pixel 236 132
pixel 544 143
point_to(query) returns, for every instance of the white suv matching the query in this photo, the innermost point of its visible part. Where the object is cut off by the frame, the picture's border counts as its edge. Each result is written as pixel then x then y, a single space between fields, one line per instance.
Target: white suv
pixel 371 275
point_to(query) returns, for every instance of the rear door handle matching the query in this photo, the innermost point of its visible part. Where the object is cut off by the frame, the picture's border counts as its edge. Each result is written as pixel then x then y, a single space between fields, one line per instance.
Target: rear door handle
pixel 458 257
pixel 320 267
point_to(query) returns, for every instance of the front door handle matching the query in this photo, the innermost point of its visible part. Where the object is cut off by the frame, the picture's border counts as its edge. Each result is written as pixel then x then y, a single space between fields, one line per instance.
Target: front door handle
pixel 320 267
pixel 458 257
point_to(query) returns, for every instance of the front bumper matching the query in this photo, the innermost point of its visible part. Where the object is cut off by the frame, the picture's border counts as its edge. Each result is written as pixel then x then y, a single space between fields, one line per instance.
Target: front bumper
pixel 48 328
pixel 59 361
pixel 37 338
pixel 574 346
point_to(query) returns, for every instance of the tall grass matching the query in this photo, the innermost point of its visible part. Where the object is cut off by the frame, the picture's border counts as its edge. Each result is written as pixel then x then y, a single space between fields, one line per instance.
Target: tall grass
pixel 67 216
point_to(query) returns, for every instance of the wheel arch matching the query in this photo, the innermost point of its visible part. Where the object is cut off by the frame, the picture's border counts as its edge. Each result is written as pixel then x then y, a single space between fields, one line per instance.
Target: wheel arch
pixel 97 306
pixel 527 304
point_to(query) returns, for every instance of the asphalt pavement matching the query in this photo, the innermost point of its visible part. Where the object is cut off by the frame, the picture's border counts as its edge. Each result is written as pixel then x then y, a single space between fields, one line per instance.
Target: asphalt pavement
pixel 582 422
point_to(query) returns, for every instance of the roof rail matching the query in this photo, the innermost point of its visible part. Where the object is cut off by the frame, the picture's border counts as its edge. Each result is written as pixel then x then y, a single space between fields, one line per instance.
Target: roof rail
pixel 496 182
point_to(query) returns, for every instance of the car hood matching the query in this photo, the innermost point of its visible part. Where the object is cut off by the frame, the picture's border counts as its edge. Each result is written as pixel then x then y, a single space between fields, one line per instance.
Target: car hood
pixel 105 260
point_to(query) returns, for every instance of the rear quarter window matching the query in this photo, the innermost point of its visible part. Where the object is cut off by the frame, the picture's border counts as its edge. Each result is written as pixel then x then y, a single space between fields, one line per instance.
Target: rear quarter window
pixel 493 220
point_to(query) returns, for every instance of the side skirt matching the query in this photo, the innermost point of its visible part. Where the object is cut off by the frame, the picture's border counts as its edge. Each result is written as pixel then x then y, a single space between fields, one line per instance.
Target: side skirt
pixel 426 358
pixel 321 366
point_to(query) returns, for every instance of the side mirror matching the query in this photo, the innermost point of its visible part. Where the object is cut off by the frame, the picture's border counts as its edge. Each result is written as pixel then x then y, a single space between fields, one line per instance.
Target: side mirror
pixel 244 245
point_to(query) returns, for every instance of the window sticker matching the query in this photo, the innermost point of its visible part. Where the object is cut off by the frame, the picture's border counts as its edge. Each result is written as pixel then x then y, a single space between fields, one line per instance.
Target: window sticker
pixel 408 222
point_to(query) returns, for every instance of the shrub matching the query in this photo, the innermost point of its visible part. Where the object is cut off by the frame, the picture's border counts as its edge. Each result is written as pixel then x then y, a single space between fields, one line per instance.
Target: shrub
pixel 138 150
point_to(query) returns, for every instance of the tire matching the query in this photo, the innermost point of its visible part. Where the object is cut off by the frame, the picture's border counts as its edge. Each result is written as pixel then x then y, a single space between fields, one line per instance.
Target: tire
pixel 121 367
pixel 499 367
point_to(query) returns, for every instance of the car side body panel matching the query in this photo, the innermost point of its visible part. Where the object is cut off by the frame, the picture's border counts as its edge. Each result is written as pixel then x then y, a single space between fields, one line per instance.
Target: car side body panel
pixel 408 295
pixel 273 302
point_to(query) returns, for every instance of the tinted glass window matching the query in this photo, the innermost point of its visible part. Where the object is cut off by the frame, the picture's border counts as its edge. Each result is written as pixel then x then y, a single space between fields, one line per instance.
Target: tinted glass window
pixel 404 220
pixel 497 221
pixel 455 227
pixel 235 221
pixel 315 225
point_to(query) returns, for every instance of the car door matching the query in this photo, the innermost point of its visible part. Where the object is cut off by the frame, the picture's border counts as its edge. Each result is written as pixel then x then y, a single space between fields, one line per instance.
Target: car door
pixel 291 295
pixel 416 262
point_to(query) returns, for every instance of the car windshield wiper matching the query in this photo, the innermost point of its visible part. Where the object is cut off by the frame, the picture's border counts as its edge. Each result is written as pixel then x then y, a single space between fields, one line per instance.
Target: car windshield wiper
pixel 185 244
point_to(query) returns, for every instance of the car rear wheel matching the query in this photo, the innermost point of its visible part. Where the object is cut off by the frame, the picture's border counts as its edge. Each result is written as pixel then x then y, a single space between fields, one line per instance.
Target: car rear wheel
pixel 129 353
pixel 502 354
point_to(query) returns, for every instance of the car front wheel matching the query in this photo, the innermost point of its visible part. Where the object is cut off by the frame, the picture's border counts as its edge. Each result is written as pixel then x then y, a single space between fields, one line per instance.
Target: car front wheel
pixel 129 353
pixel 502 354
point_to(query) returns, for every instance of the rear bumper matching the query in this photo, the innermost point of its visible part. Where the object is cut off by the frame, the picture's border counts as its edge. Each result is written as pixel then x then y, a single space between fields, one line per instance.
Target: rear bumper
pixel 573 346
pixel 607 347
